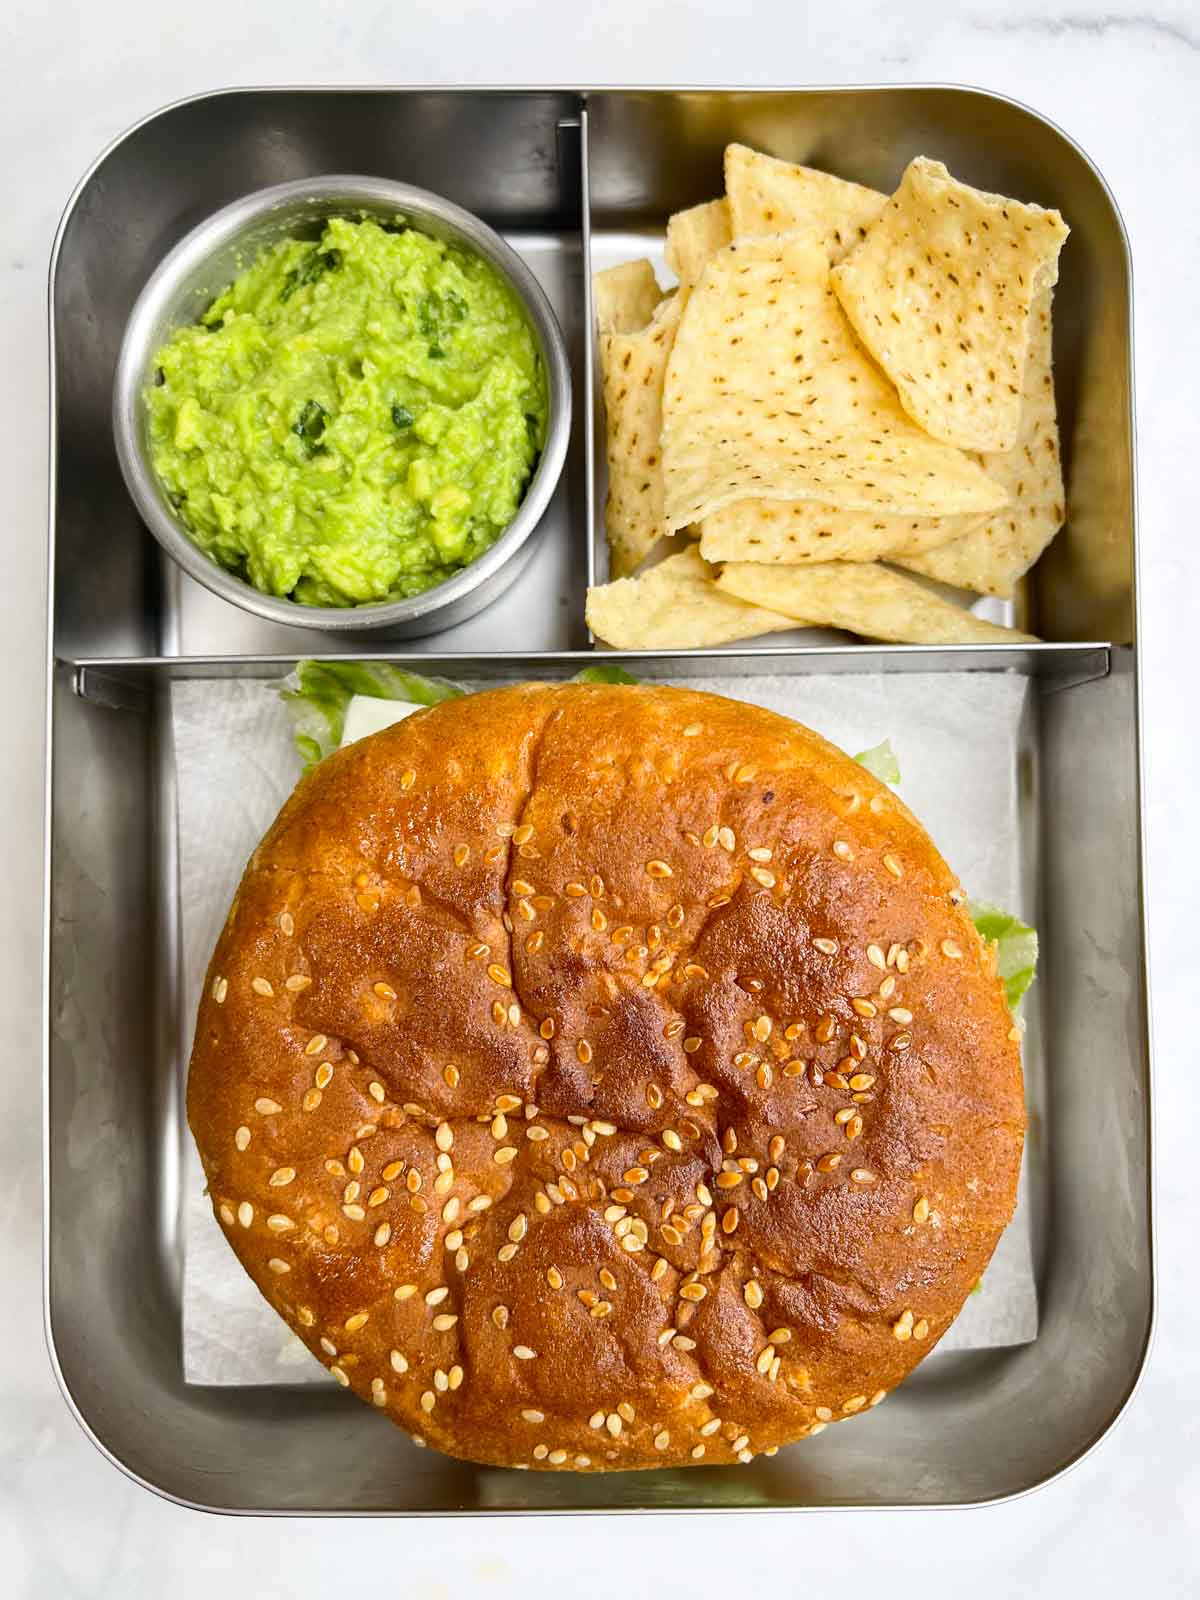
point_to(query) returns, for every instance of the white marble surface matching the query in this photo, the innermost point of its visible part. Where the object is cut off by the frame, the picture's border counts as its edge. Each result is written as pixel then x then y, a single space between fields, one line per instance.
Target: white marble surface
pixel 1126 83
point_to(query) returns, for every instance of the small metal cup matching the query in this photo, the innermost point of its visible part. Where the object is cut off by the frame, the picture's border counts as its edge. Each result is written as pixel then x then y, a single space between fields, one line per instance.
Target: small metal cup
pixel 188 279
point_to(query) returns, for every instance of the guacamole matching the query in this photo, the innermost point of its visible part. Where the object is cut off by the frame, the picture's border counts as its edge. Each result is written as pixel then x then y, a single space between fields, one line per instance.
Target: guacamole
pixel 354 419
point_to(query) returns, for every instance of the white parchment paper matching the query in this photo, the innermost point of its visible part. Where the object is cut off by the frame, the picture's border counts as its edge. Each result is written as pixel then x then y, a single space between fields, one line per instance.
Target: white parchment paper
pixel 957 737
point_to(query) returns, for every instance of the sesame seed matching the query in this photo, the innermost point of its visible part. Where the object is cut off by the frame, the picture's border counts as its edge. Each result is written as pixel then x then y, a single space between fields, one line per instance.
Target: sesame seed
pixel 504 1155
pixel 383 1234
pixel 950 950
pixel 921 1330
pixel 659 869
pixel 341 1377
pixel 428 1401
pixel 856 1403
pixel 281 1177
pixel 693 1291
pixel 842 850
pixel 828 1162
pixel 242 1137
pixel 297 981
pixel 893 866
pixel 862 1175
pixel 921 1210
pixel 399 1362
pixel 903 1326
pixel 405 1291
pixel 876 957
pixel 900 1041
pixel 726 838
pixel 444 1321
pixel 524 1353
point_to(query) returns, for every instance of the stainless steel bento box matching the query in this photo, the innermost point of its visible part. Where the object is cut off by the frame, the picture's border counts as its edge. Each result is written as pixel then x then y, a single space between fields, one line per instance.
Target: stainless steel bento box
pixel 570 177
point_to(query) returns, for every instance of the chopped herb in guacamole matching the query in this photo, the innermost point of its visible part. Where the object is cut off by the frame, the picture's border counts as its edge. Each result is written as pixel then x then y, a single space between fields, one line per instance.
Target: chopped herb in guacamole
pixel 354 419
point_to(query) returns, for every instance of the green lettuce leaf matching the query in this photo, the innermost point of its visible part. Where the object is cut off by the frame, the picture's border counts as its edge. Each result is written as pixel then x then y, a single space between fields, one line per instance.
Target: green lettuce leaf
pixel 881 761
pixel 1016 948
pixel 318 692
pixel 604 675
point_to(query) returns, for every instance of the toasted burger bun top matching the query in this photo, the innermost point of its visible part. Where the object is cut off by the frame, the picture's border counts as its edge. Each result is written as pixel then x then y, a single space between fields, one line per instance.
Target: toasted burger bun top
pixel 606 1077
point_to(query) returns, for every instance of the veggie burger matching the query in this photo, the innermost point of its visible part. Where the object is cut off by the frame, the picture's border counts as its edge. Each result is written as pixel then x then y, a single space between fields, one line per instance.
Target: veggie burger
pixel 600 1077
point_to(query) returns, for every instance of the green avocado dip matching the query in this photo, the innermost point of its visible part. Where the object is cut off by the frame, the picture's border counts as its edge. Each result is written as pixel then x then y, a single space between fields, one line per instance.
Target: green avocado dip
pixel 352 420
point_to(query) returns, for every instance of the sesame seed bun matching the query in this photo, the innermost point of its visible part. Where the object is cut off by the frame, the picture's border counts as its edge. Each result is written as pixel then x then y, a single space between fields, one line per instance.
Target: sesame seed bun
pixel 606 1077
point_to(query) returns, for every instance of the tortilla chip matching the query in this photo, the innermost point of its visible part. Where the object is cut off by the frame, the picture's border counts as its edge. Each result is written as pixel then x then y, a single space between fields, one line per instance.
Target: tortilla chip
pixel 990 559
pixel 770 196
pixel 793 531
pixel 769 396
pixel 632 367
pixel 675 606
pixel 940 292
pixel 869 600
pixel 693 236
pixel 624 297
